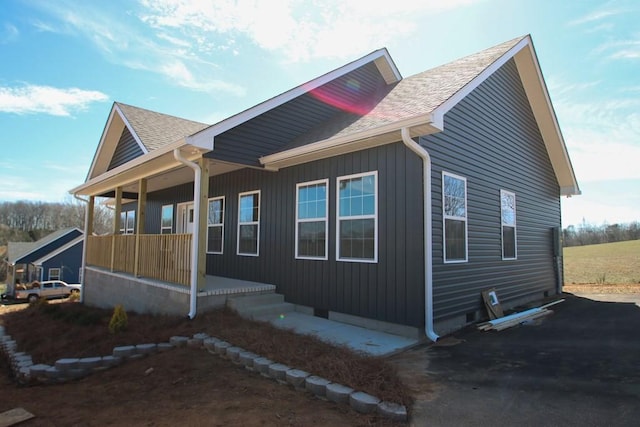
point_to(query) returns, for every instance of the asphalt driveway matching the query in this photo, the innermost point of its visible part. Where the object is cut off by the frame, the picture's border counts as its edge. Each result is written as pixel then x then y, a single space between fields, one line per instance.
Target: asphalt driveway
pixel 577 367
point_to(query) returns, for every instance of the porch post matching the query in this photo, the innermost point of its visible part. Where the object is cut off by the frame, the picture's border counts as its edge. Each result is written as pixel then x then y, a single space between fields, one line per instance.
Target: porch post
pixel 116 224
pixel 88 231
pixel 201 227
pixel 140 217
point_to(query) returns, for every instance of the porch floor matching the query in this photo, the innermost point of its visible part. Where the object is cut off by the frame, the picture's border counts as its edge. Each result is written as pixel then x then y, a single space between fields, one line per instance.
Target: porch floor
pixel 218 285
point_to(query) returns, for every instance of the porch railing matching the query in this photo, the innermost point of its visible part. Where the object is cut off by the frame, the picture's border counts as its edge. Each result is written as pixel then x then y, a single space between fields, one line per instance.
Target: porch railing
pixel 165 257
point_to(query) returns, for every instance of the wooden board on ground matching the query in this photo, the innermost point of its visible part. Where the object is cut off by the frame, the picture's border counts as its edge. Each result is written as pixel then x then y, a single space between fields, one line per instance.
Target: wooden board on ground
pixel 494 308
pixel 14 416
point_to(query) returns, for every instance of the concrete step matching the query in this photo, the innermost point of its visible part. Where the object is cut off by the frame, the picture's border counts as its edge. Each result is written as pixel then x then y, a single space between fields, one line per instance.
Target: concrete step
pixel 267 311
pixel 240 303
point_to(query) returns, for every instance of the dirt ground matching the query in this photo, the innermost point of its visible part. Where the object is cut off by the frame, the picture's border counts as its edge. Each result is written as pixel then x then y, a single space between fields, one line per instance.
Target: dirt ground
pixel 183 386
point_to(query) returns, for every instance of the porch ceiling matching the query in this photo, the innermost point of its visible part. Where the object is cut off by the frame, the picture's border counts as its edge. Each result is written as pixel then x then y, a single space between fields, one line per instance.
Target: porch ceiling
pixel 160 169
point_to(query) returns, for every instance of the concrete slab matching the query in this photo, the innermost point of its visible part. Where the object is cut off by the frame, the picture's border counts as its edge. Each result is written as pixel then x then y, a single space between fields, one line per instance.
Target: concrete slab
pixel 360 339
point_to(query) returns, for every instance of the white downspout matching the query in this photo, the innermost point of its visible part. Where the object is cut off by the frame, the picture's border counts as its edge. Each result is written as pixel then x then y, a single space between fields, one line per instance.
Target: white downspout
pixel 196 235
pixel 84 245
pixel 428 247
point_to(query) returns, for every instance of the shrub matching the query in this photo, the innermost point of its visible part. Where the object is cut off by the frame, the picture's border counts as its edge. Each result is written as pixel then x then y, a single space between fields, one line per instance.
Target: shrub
pixel 74 297
pixel 118 322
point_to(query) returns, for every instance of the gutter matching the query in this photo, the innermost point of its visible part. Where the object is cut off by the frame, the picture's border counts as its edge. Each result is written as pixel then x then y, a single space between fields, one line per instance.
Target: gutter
pixel 83 264
pixel 428 246
pixel 197 171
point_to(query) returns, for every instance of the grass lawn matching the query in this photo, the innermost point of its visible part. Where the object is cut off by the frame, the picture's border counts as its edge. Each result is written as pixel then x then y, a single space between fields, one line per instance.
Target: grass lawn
pixel 607 263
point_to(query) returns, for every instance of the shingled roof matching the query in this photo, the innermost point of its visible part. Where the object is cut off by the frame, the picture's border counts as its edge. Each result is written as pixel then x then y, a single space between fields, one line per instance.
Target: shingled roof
pixel 414 96
pixel 155 129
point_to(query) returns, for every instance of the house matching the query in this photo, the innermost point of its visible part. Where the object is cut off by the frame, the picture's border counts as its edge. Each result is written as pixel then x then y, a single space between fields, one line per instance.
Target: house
pixel 57 256
pixel 361 196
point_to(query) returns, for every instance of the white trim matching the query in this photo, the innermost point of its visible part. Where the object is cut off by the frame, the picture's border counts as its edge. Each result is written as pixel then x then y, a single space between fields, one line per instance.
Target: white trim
pixel 58 251
pixel 514 225
pixel 124 222
pixel 221 225
pixel 205 138
pixel 445 217
pixel 182 228
pixel 49 273
pixel 356 217
pixel 35 248
pixel 162 227
pixel 131 130
pixel 256 223
pixel 297 220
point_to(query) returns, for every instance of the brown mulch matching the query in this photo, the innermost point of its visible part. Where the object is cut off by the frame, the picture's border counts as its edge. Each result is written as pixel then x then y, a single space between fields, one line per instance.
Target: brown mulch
pixel 60 330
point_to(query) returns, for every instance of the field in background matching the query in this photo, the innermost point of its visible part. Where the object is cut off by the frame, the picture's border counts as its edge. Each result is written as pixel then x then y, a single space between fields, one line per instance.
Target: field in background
pixel 604 264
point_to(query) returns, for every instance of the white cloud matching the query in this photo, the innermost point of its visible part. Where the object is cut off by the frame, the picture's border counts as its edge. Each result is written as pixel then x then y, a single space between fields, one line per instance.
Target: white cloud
pixel 598 15
pixel 295 29
pixel 46 99
pixel 8 33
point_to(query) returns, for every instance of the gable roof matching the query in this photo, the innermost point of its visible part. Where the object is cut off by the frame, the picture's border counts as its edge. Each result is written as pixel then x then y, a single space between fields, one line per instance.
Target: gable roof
pixel 151 131
pixel 58 251
pixel 420 102
pixel 16 251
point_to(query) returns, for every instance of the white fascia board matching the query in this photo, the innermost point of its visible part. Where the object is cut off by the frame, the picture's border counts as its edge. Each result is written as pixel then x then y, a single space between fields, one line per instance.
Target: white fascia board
pixel 204 138
pixel 271 160
pixel 58 251
pixel 133 132
pixel 103 137
pixel 40 246
pixel 443 108
pixel 113 173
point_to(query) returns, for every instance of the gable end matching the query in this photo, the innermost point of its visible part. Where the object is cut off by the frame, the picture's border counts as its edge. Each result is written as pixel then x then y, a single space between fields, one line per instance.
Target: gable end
pixel 126 150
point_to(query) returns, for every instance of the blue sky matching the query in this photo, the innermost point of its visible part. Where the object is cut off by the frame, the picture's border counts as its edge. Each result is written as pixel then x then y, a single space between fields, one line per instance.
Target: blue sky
pixel 63 63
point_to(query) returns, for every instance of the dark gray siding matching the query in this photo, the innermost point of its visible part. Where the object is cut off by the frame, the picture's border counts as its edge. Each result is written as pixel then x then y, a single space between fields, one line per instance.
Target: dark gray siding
pixel 492 139
pixel 391 290
pixel 126 150
pixel 281 126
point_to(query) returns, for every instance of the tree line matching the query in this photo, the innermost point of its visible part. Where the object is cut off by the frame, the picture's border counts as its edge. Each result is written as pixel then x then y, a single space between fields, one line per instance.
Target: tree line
pixel 588 234
pixel 28 221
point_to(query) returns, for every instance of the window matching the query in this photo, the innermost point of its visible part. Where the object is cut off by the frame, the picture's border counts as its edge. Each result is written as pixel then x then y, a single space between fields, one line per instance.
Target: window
pixel 54 274
pixel 249 223
pixel 357 238
pixel 127 222
pixel 312 204
pixel 454 202
pixel 508 215
pixel 215 225
pixel 166 220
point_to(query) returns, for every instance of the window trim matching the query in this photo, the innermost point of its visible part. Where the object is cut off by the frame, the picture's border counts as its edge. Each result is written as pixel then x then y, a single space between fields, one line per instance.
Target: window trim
pixel 515 225
pixel 163 227
pixel 221 225
pixel 124 222
pixel 445 217
pixel 58 277
pixel 240 224
pixel 373 260
pixel 316 219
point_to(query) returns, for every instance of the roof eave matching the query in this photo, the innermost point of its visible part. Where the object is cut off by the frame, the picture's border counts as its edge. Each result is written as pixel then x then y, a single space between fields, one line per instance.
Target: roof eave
pixel 381 57
pixel 419 125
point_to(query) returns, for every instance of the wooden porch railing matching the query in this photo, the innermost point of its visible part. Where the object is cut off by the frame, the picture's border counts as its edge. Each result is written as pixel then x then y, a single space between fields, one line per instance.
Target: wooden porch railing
pixel 165 257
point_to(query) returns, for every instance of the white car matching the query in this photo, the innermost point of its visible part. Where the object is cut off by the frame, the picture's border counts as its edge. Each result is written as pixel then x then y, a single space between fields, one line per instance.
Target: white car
pixel 47 289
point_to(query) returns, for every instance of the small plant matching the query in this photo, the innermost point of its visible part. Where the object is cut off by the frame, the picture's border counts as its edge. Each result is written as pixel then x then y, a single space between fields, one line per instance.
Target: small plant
pixel 601 279
pixel 74 297
pixel 118 322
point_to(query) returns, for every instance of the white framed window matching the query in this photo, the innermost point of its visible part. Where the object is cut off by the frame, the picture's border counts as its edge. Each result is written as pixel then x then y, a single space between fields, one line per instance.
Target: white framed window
pixel 54 274
pixel 166 220
pixel 508 219
pixel 454 216
pixel 357 217
pixel 312 224
pixel 249 223
pixel 215 225
pixel 127 222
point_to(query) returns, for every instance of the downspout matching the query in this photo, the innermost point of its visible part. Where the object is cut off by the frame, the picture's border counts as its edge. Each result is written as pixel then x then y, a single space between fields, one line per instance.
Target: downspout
pixel 428 246
pixel 196 235
pixel 83 264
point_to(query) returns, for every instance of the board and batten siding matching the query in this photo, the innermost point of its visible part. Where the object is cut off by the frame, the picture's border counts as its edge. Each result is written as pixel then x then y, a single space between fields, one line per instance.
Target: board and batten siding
pixel 491 138
pixel 126 150
pixel 391 290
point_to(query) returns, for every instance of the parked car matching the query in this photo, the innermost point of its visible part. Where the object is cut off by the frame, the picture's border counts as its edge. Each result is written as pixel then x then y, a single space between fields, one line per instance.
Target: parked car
pixel 48 289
